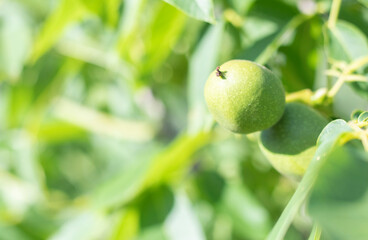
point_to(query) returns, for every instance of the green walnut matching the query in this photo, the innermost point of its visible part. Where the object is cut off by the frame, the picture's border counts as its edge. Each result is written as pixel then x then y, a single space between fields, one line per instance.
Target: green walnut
pixel 291 143
pixel 244 97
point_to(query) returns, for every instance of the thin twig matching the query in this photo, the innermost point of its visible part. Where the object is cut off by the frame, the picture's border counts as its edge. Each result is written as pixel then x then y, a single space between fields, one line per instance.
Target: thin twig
pixel 347 71
pixel 334 13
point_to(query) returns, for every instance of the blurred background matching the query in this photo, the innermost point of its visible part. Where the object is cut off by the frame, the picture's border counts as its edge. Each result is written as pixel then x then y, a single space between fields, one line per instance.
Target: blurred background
pixel 104 133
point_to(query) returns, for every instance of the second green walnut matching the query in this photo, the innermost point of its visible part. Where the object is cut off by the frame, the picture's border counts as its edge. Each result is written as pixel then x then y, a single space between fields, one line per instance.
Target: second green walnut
pixel 291 143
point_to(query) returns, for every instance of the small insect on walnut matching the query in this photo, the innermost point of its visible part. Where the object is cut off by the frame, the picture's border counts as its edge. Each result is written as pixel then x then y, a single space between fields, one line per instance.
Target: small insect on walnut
pixel 218 72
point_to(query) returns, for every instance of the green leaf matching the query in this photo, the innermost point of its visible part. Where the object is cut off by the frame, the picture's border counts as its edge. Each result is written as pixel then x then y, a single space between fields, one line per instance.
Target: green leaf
pixel 316 233
pixel 231 42
pixel 104 124
pixel 165 166
pixel 4 104
pixel 18 102
pixel 241 6
pixel 80 226
pixel 60 131
pixel 264 48
pixel 26 164
pixel 330 135
pixel 199 9
pixel 183 221
pixel 328 138
pixel 154 205
pixel 15 40
pixel 339 200
pixel 38 223
pixel 203 61
pixel 342 177
pixel 94 6
pixel 128 225
pixel 346 42
pixel 175 159
pixel 67 12
pixel 158 25
pixel 364 2
pixel 108 11
pixel 361 88
pixel 11 232
pixel 210 186
pixel 129 21
pixel 299 70
pixel 122 187
pixel 363 117
pixel 153 233
pixel 161 35
pixel 249 217
pixel 267 28
pixel 47 89
pixel 112 11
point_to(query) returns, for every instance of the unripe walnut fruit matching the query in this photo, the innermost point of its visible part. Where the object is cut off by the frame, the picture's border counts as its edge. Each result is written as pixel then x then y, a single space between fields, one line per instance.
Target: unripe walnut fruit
pixel 244 97
pixel 290 144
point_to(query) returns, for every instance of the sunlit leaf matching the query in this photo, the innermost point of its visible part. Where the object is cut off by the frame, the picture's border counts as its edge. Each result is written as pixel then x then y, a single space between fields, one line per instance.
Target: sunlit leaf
pixel 265 35
pixel 59 131
pixel 163 167
pixel 347 42
pixel 15 40
pixel 67 12
pixel 13 204
pixel 122 187
pixel 364 2
pixel 112 11
pixel 202 63
pixel 200 9
pixel 128 226
pixel 108 10
pixel 84 226
pixel 249 217
pixel 25 155
pixel 18 102
pixel 103 124
pixel 182 223
pixel 162 33
pixel 242 6
pixel 48 89
pixel 150 41
pixel 94 6
pixel 174 161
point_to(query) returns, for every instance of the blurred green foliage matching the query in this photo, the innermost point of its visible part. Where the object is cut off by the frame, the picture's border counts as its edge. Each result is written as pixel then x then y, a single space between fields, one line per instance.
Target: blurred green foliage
pixel 104 133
